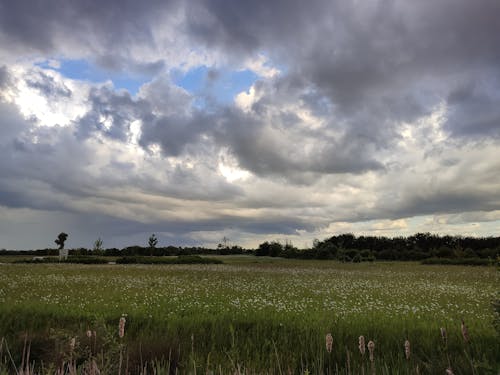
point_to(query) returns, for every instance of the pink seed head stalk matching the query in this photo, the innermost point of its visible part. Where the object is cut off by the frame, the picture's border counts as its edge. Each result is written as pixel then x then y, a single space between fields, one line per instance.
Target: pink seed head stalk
pixel 407 349
pixel 449 371
pixel 465 332
pixel 443 334
pixel 362 345
pixel 329 343
pixel 121 327
pixel 371 350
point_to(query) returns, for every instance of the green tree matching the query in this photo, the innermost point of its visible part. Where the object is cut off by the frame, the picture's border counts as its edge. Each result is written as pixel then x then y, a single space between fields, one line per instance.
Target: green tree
pixel 152 242
pixel 224 243
pixel 263 249
pixel 61 238
pixel 98 245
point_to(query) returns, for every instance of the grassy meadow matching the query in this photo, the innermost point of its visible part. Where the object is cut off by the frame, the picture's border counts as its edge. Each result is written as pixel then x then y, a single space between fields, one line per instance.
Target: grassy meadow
pixel 249 315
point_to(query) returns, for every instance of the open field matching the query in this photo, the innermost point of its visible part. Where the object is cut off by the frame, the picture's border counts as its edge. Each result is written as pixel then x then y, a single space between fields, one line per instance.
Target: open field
pixel 257 314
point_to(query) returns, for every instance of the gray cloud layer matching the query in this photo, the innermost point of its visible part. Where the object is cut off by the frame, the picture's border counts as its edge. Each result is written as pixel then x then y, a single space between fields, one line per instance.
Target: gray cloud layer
pixel 383 110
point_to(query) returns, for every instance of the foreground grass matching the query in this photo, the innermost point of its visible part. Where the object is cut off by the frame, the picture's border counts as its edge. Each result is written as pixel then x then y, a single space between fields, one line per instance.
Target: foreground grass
pixel 257 315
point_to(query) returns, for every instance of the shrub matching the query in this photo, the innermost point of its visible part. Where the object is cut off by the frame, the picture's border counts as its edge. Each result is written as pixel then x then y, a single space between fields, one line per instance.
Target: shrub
pixel 71 259
pixel 181 259
pixel 459 261
pixel 86 260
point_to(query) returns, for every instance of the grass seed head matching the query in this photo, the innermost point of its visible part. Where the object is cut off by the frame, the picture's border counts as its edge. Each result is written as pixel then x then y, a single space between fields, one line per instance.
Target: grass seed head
pixel 121 327
pixel 407 349
pixel 89 333
pixel 72 344
pixel 329 343
pixel 371 349
pixel 362 345
pixel 449 371
pixel 465 332
pixel 443 334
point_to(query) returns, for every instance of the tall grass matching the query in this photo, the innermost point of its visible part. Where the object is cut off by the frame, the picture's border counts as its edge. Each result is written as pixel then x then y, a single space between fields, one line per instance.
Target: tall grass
pixel 260 347
pixel 251 319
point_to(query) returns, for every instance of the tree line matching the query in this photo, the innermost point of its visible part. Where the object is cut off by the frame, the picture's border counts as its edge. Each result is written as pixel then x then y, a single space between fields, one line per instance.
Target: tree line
pixel 343 247
pixel 420 246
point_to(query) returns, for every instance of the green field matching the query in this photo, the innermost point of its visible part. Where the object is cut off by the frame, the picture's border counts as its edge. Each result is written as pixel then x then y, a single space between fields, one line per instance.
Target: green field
pixel 253 315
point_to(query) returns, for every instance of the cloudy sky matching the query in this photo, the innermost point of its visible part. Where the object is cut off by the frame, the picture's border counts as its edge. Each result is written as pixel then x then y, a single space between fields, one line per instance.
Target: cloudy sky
pixel 254 120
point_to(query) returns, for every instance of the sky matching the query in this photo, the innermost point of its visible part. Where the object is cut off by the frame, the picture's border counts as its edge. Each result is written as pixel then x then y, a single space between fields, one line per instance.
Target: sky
pixel 251 120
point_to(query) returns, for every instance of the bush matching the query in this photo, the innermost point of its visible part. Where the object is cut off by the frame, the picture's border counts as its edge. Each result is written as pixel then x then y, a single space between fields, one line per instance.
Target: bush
pixel 71 259
pixel 181 259
pixel 85 260
pixel 459 261
pixel 36 260
pixel 357 258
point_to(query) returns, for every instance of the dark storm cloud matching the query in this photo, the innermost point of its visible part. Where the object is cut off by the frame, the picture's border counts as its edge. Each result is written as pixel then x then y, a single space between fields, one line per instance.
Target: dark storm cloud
pixel 248 139
pixel 35 24
pixel 166 123
pixel 24 22
pixel 123 226
pixel 18 156
pixel 245 135
pixel 41 177
pixel 101 32
pixel 174 132
pixel 160 110
pixel 278 154
pixel 12 124
pixel 474 109
pixel 378 63
pixel 367 43
pixel 436 203
pixel 364 57
pixel 445 202
pixel 250 26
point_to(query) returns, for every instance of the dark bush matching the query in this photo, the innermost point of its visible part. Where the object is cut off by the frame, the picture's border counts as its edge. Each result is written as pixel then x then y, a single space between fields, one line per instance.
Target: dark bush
pixel 459 261
pixel 71 259
pixel 324 253
pixel 181 259
pixel 357 258
pixel 85 260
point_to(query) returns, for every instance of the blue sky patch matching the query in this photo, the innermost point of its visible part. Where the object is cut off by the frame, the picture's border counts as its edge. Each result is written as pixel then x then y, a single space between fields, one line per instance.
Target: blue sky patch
pixel 83 70
pixel 221 85
pixel 206 84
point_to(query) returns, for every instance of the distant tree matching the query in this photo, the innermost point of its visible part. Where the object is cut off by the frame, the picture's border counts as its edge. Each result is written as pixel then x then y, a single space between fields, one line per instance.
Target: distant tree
pixel 263 249
pixel 98 245
pixel 289 251
pixel 224 244
pixel 324 252
pixel 152 242
pixel 61 238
